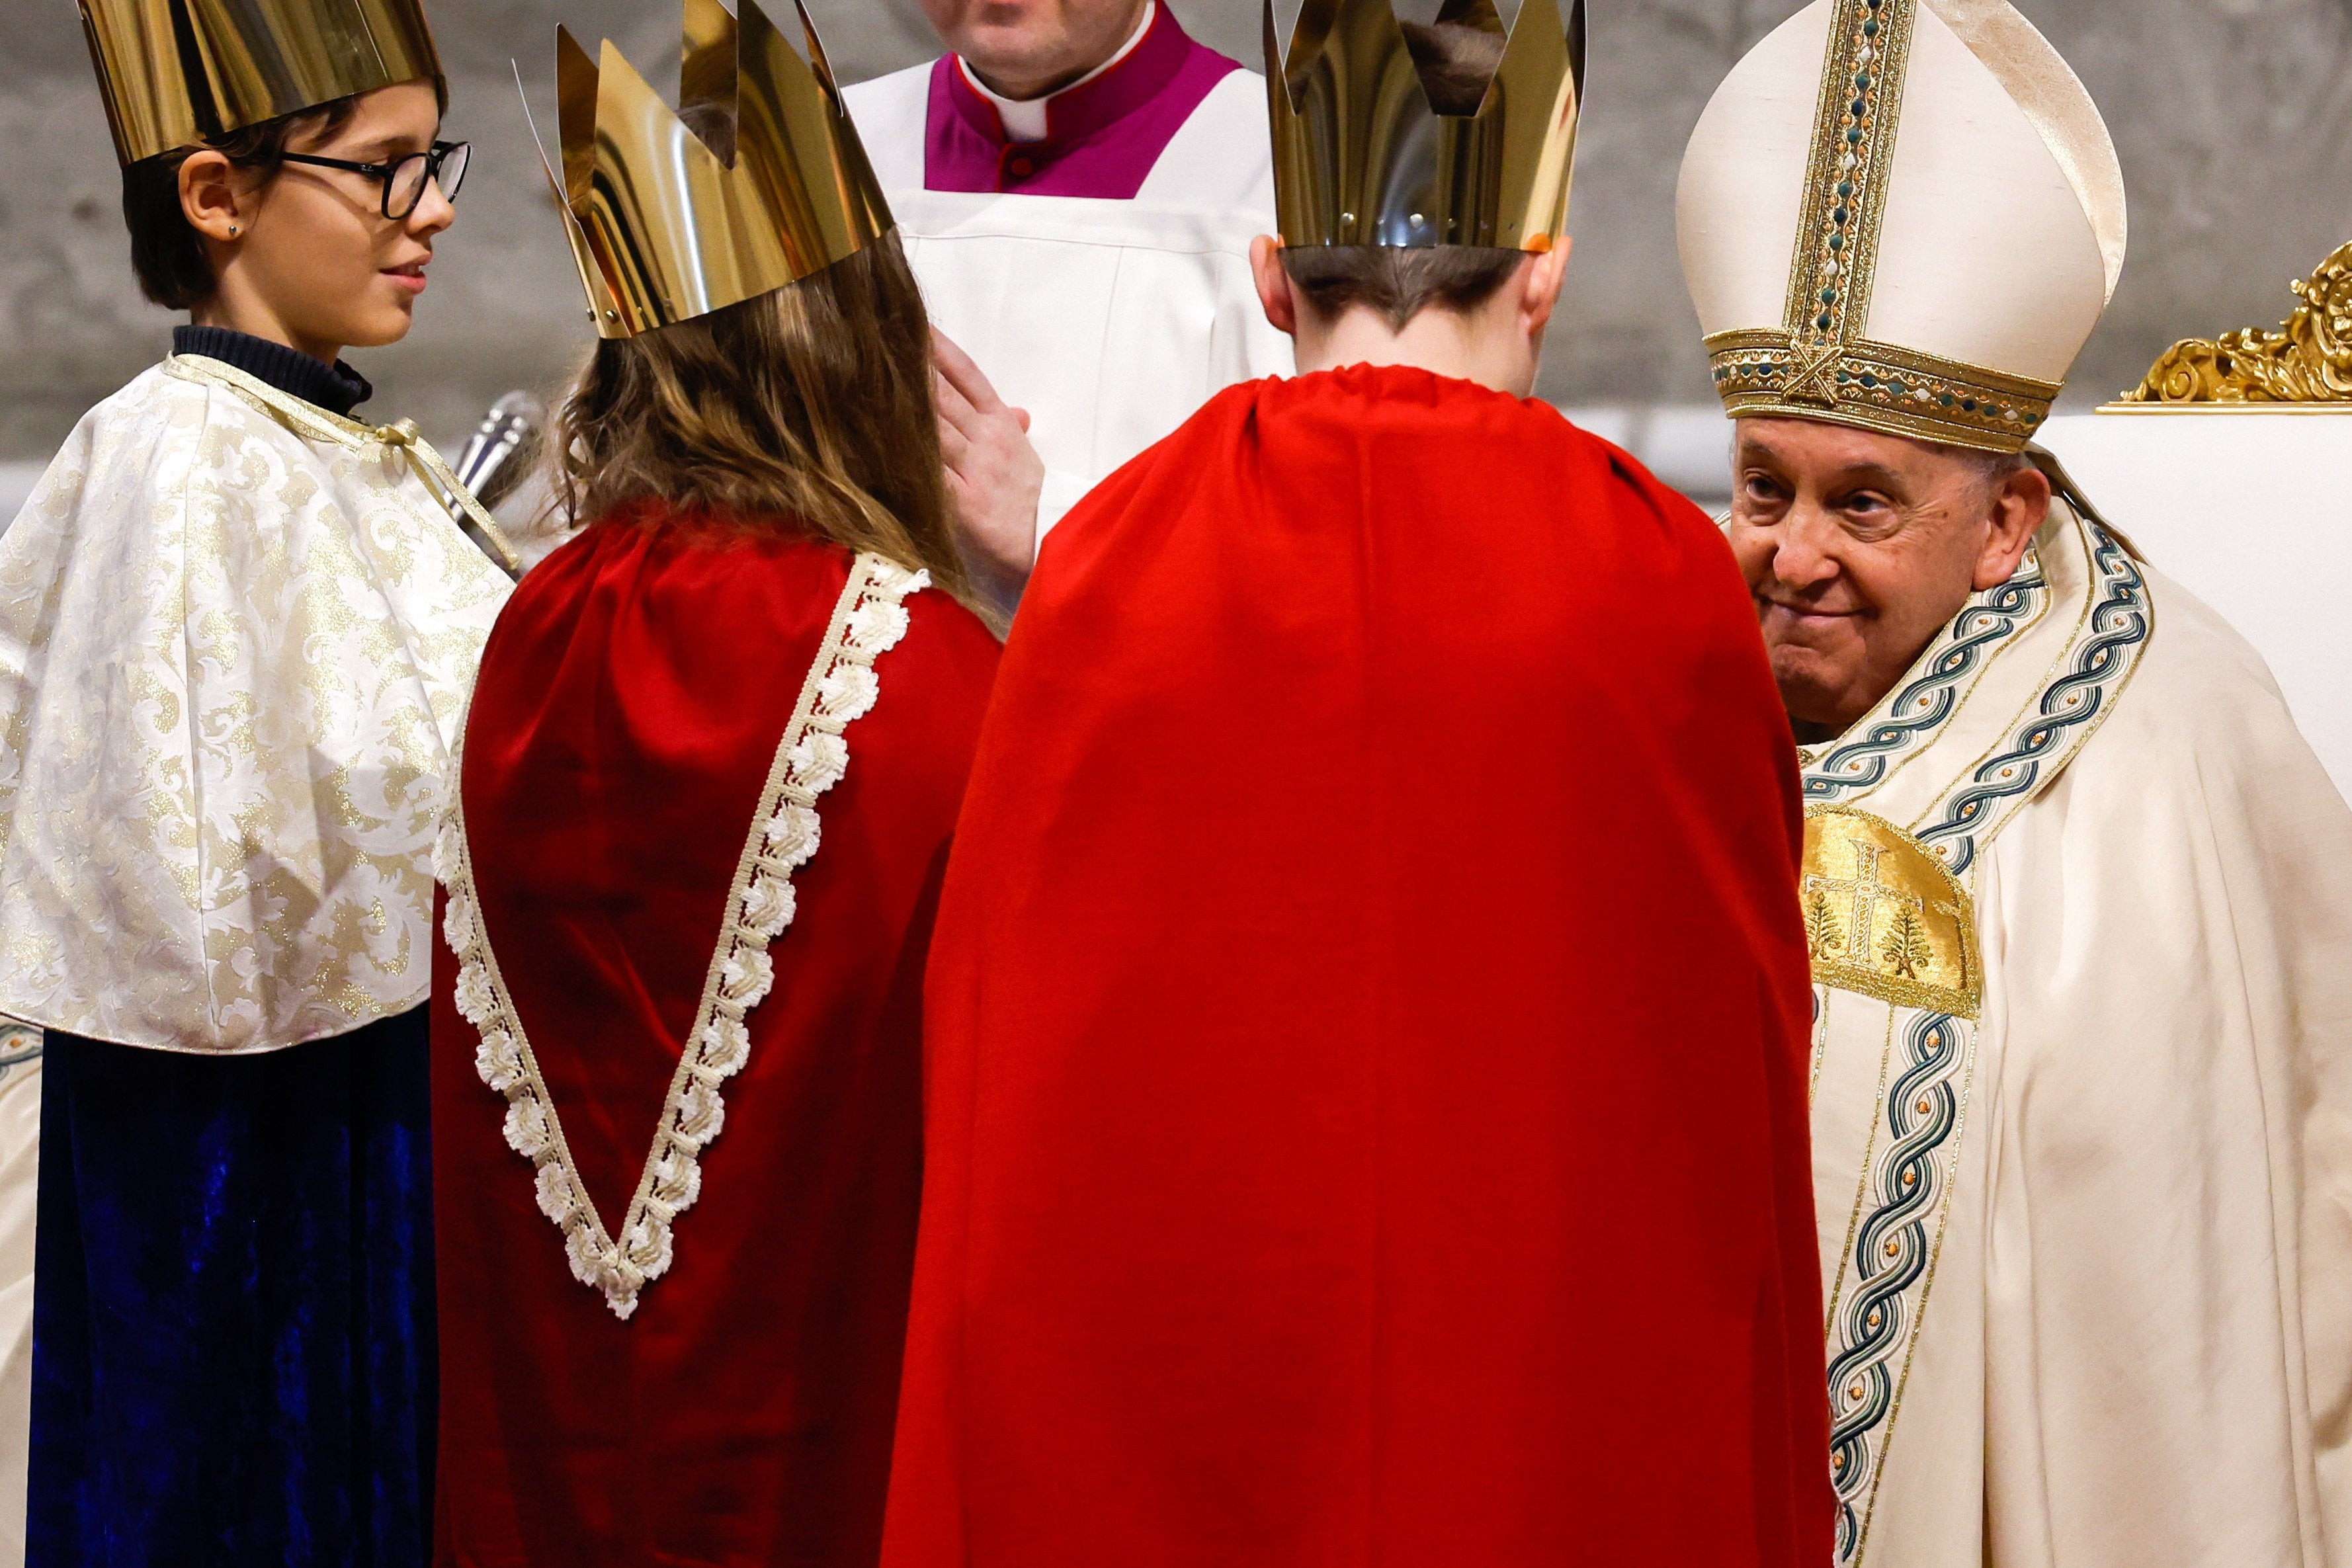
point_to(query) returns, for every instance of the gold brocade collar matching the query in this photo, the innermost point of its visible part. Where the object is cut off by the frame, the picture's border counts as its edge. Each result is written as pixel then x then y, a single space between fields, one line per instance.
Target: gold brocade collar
pixel 311 422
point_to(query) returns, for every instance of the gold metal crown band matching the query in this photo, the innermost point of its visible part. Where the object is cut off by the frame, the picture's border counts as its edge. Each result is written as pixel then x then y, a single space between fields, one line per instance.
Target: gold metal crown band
pixel 1360 157
pixel 755 182
pixel 176 73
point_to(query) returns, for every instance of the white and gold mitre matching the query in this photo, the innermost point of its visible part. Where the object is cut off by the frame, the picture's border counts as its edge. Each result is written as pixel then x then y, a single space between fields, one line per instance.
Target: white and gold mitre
pixel 1360 158
pixel 756 180
pixel 176 73
pixel 1904 215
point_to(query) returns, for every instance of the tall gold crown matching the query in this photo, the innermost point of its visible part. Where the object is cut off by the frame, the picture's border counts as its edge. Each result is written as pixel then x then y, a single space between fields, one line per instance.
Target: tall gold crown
pixel 1360 158
pixel 176 73
pixel 758 179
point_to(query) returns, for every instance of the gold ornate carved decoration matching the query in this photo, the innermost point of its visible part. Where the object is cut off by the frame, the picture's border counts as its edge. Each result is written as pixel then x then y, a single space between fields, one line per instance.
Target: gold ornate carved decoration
pixel 2307 360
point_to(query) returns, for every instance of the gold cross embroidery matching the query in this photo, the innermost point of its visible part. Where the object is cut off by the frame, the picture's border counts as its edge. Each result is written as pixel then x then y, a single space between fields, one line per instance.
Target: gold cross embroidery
pixel 1868 893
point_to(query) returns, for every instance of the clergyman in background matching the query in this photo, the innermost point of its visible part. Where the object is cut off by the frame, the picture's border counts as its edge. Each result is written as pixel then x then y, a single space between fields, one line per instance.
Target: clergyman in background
pixel 1076 182
pixel 2074 886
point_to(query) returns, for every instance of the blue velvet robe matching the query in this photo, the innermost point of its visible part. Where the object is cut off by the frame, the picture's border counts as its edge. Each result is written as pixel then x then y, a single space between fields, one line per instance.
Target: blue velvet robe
pixel 233 1321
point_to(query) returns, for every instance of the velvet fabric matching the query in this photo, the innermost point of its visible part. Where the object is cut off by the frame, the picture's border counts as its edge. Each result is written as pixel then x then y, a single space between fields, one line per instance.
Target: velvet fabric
pixel 1367 1025
pixel 630 704
pixel 233 1331
pixel 1102 137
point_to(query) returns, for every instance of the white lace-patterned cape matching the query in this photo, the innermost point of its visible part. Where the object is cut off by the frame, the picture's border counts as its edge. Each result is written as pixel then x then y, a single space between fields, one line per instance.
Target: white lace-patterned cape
pixel 235 632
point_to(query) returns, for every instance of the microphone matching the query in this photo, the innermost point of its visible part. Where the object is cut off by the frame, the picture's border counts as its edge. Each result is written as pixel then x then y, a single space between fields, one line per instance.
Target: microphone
pixel 498 459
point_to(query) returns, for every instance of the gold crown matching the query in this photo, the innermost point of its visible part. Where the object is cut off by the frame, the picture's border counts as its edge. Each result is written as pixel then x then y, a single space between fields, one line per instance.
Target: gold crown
pixel 1360 158
pixel 670 221
pixel 176 73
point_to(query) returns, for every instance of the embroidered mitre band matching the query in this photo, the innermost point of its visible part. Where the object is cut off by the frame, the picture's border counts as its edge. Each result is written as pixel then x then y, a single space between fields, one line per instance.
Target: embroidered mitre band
pixel 1904 215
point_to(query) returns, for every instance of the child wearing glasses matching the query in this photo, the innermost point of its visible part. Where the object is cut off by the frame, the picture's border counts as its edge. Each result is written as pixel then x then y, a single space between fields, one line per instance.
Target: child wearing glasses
pixel 238 626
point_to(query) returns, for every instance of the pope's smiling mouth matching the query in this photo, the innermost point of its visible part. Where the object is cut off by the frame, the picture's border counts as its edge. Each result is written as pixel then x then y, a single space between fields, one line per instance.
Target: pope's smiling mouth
pixel 1805 614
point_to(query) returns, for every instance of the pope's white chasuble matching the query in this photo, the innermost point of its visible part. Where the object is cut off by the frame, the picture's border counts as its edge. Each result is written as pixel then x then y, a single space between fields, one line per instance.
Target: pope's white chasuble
pixel 2077 898
pixel 236 635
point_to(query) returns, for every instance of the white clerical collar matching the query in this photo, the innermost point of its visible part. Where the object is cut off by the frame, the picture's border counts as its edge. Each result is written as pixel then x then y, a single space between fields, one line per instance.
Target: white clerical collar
pixel 1025 119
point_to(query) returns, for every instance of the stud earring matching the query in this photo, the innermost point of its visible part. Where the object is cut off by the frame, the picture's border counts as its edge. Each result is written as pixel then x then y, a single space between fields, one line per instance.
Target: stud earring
pixel 231 231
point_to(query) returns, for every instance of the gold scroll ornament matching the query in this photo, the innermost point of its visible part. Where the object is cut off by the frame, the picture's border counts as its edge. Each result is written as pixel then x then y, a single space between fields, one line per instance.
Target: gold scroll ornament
pixel 2308 360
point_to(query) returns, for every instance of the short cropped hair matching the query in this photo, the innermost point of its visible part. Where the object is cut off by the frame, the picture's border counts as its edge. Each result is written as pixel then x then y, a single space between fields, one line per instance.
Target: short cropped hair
pixel 1992 470
pixel 1399 284
pixel 1457 63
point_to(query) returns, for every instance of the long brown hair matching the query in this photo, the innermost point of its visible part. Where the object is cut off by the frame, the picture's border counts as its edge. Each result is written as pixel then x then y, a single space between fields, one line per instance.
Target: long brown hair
pixel 807 410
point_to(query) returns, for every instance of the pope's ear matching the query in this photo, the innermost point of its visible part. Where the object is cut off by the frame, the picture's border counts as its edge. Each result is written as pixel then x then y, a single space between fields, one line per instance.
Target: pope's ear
pixel 1275 289
pixel 208 195
pixel 2019 507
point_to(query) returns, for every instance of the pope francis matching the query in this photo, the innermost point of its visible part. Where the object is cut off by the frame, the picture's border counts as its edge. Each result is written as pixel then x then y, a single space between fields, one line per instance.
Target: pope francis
pixel 2074 886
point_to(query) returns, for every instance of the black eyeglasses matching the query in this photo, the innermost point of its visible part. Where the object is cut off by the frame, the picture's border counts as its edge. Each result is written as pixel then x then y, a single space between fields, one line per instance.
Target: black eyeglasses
pixel 405 182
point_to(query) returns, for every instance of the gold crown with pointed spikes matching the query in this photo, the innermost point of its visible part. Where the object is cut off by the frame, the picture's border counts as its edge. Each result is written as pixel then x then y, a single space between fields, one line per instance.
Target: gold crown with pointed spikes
pixel 177 73
pixel 1361 158
pixel 755 182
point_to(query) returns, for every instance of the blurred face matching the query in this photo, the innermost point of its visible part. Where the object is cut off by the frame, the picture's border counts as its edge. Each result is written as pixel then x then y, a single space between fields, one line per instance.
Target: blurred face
pixel 1858 547
pixel 304 254
pixel 1026 49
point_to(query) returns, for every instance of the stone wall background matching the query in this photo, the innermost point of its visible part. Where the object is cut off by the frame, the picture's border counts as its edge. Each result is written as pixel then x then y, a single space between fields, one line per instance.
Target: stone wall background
pixel 2234 119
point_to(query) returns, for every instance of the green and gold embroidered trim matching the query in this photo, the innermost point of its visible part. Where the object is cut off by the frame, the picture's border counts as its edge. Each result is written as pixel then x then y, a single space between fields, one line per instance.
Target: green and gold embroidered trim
pixel 1880 387
pixel 1846 181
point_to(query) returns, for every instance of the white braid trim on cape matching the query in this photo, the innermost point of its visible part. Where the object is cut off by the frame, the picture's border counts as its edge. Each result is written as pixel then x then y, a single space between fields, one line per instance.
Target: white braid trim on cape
pixel 869 622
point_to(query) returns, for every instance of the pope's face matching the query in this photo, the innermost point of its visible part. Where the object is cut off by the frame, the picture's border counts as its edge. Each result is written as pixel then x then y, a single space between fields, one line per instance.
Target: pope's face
pixel 1024 48
pixel 1859 547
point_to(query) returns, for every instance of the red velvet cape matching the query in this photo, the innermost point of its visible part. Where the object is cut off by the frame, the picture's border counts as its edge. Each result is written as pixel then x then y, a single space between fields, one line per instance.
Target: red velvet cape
pixel 1368 1026
pixel 630 704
